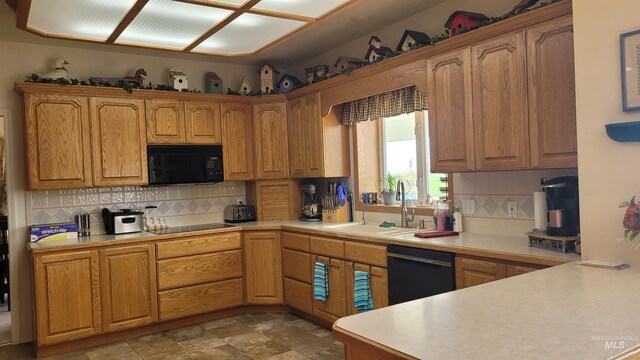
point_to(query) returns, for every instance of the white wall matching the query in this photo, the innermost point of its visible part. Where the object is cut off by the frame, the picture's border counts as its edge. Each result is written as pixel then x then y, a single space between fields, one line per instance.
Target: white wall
pixel 608 171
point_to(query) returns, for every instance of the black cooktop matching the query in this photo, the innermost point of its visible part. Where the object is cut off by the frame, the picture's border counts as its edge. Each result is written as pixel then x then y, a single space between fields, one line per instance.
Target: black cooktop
pixel 180 229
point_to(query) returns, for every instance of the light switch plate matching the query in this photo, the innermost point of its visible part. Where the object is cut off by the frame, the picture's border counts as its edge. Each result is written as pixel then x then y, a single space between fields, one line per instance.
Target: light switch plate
pixel 468 207
pixel 512 209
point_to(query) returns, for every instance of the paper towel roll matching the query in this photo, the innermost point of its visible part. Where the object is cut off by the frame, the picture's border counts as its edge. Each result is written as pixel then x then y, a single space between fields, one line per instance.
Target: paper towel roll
pixel 540 210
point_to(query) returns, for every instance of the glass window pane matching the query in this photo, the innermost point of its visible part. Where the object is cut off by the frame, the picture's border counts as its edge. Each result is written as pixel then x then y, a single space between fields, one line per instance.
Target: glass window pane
pixel 400 150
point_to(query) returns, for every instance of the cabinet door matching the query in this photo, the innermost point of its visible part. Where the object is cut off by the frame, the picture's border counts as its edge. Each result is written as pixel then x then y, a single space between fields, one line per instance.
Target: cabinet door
pixel 450 112
pixel 272 154
pixel 377 283
pixel 314 133
pixel 513 269
pixel 203 123
pixel 165 121
pixel 57 141
pixel 237 142
pixel 128 284
pixel 552 95
pixel 476 271
pixel 500 116
pixel 336 305
pixel 263 266
pixel 277 200
pixel 297 138
pixel 118 140
pixel 67 292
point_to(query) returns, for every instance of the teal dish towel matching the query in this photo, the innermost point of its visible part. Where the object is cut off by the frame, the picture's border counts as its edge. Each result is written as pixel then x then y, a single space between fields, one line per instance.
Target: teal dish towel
pixel 362 299
pixel 320 281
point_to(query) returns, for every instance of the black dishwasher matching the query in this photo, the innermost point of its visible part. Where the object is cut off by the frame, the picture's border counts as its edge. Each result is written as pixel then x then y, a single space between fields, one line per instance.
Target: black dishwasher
pixel 418 273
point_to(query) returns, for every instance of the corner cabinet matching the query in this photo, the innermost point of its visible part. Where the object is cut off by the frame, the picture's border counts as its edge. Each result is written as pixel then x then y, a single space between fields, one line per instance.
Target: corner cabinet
pixel 272 154
pixel 263 266
pixel 237 142
pixel 118 139
pixel 318 146
pixel 57 141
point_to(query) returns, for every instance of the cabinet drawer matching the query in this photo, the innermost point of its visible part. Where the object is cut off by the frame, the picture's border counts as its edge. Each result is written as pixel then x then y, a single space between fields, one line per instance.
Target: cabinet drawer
pixel 366 253
pixel 198 269
pixel 295 241
pixel 198 245
pixel 327 247
pixel 297 265
pixel 200 299
pixel 298 295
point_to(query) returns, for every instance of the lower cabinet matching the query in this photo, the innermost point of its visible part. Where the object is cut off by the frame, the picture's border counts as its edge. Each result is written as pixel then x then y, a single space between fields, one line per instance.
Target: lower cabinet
pixel 67 296
pixel 263 266
pixel 377 283
pixel 335 306
pixel 200 299
pixel 128 287
pixel 298 295
pixel 474 270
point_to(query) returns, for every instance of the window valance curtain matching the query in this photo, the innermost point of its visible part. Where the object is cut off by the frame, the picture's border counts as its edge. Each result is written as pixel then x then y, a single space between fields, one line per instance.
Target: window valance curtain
pixel 392 103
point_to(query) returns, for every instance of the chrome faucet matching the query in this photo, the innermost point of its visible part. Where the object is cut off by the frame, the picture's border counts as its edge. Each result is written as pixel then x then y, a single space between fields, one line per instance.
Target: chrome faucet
pixel 404 217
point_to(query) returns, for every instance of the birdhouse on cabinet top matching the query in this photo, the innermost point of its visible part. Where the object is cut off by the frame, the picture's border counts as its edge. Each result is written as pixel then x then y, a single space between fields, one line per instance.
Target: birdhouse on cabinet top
pixel 345 63
pixel 413 39
pixel 268 76
pixel 376 51
pixel 245 86
pixel 461 21
pixel 213 83
pixel 287 83
pixel 178 80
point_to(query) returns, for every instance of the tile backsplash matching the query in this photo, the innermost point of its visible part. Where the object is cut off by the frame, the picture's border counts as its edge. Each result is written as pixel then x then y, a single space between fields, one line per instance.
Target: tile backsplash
pixel 179 204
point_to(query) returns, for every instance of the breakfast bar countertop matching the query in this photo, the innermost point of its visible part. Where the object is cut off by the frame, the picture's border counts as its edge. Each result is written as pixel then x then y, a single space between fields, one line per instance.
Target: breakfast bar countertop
pixel 565 312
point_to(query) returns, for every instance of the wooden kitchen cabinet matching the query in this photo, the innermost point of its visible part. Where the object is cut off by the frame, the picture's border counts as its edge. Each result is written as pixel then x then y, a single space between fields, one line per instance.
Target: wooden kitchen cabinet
pixel 272 154
pixel 118 141
pixel 519 269
pixel 67 296
pixel 450 112
pixel 263 267
pixel 472 271
pixel 377 282
pixel 198 269
pixel 57 141
pixel 275 199
pixel 165 121
pixel 552 94
pixel 128 287
pixel 203 123
pixel 318 146
pixel 500 116
pixel 335 306
pixel 237 142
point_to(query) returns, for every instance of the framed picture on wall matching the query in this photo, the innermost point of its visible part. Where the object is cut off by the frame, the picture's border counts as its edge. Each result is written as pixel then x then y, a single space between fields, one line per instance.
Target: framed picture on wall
pixel 630 57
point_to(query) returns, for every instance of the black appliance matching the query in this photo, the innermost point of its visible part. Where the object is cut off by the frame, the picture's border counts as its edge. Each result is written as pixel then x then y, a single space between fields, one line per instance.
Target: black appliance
pixel 418 273
pixel 189 228
pixel 185 164
pixel 563 207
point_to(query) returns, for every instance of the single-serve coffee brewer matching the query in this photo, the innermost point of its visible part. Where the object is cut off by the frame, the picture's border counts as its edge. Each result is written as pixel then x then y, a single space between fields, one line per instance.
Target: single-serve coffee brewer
pixel 311 208
pixel 563 208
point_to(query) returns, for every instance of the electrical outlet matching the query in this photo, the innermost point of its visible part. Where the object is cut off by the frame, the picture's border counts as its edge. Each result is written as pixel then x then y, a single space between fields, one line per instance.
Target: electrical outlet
pixel 468 207
pixel 512 209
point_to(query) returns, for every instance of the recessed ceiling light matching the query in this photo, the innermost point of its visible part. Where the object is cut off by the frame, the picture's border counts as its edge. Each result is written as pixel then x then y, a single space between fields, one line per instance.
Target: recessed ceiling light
pixel 309 8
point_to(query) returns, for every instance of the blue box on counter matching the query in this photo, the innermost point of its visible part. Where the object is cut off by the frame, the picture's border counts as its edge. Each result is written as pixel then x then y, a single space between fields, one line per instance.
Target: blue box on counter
pixel 50 232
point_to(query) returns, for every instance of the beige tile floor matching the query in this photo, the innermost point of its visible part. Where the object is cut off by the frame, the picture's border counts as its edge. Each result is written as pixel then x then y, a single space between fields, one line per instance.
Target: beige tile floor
pixel 244 337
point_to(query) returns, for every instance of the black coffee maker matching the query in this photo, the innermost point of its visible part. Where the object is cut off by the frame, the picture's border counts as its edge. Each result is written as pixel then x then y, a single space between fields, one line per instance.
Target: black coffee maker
pixel 563 208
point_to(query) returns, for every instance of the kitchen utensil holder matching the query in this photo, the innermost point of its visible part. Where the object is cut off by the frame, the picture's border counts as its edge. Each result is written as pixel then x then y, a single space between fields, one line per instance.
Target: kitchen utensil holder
pixel 338 216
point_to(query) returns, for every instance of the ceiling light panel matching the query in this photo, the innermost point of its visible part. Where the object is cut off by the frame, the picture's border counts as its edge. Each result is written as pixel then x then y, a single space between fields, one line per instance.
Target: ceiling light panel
pixel 309 8
pixel 170 24
pixel 247 34
pixel 86 19
pixel 237 3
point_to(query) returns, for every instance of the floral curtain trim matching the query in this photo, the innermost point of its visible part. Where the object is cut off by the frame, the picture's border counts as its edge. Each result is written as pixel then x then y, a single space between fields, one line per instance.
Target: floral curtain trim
pixel 392 103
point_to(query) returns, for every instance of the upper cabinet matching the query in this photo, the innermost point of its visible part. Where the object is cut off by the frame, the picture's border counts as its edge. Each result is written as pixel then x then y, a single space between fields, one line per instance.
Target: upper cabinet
pixel 318 146
pixel 165 121
pixel 272 155
pixel 118 142
pixel 237 142
pixel 450 116
pixel 500 116
pixel 57 141
pixel 552 94
pixel 203 122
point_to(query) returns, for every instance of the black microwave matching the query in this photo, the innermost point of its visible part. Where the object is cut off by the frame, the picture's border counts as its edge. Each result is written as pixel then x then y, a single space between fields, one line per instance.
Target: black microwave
pixel 185 164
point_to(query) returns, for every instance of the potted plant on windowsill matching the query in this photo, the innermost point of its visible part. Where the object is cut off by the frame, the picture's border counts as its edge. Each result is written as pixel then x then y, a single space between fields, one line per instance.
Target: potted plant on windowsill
pixel 388 189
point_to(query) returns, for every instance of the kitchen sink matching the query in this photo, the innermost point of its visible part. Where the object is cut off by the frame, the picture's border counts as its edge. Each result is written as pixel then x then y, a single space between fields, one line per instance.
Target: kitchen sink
pixel 372 229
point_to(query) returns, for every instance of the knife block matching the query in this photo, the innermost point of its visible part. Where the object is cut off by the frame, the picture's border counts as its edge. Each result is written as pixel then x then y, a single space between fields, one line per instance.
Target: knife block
pixel 338 216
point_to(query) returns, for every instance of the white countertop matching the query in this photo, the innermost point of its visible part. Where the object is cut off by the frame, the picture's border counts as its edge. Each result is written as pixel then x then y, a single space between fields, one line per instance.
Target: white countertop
pixel 564 312
pixel 497 246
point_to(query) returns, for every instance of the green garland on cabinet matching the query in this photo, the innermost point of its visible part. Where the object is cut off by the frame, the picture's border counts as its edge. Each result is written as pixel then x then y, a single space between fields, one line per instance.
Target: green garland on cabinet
pixel 126 86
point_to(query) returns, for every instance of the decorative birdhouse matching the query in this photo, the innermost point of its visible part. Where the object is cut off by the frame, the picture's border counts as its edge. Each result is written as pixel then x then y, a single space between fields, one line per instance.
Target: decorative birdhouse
pixel 310 74
pixel 523 5
pixel 287 83
pixel 245 86
pixel 268 76
pixel 213 83
pixel 461 21
pixel 345 63
pixel 412 40
pixel 178 80
pixel 321 71
pixel 376 51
